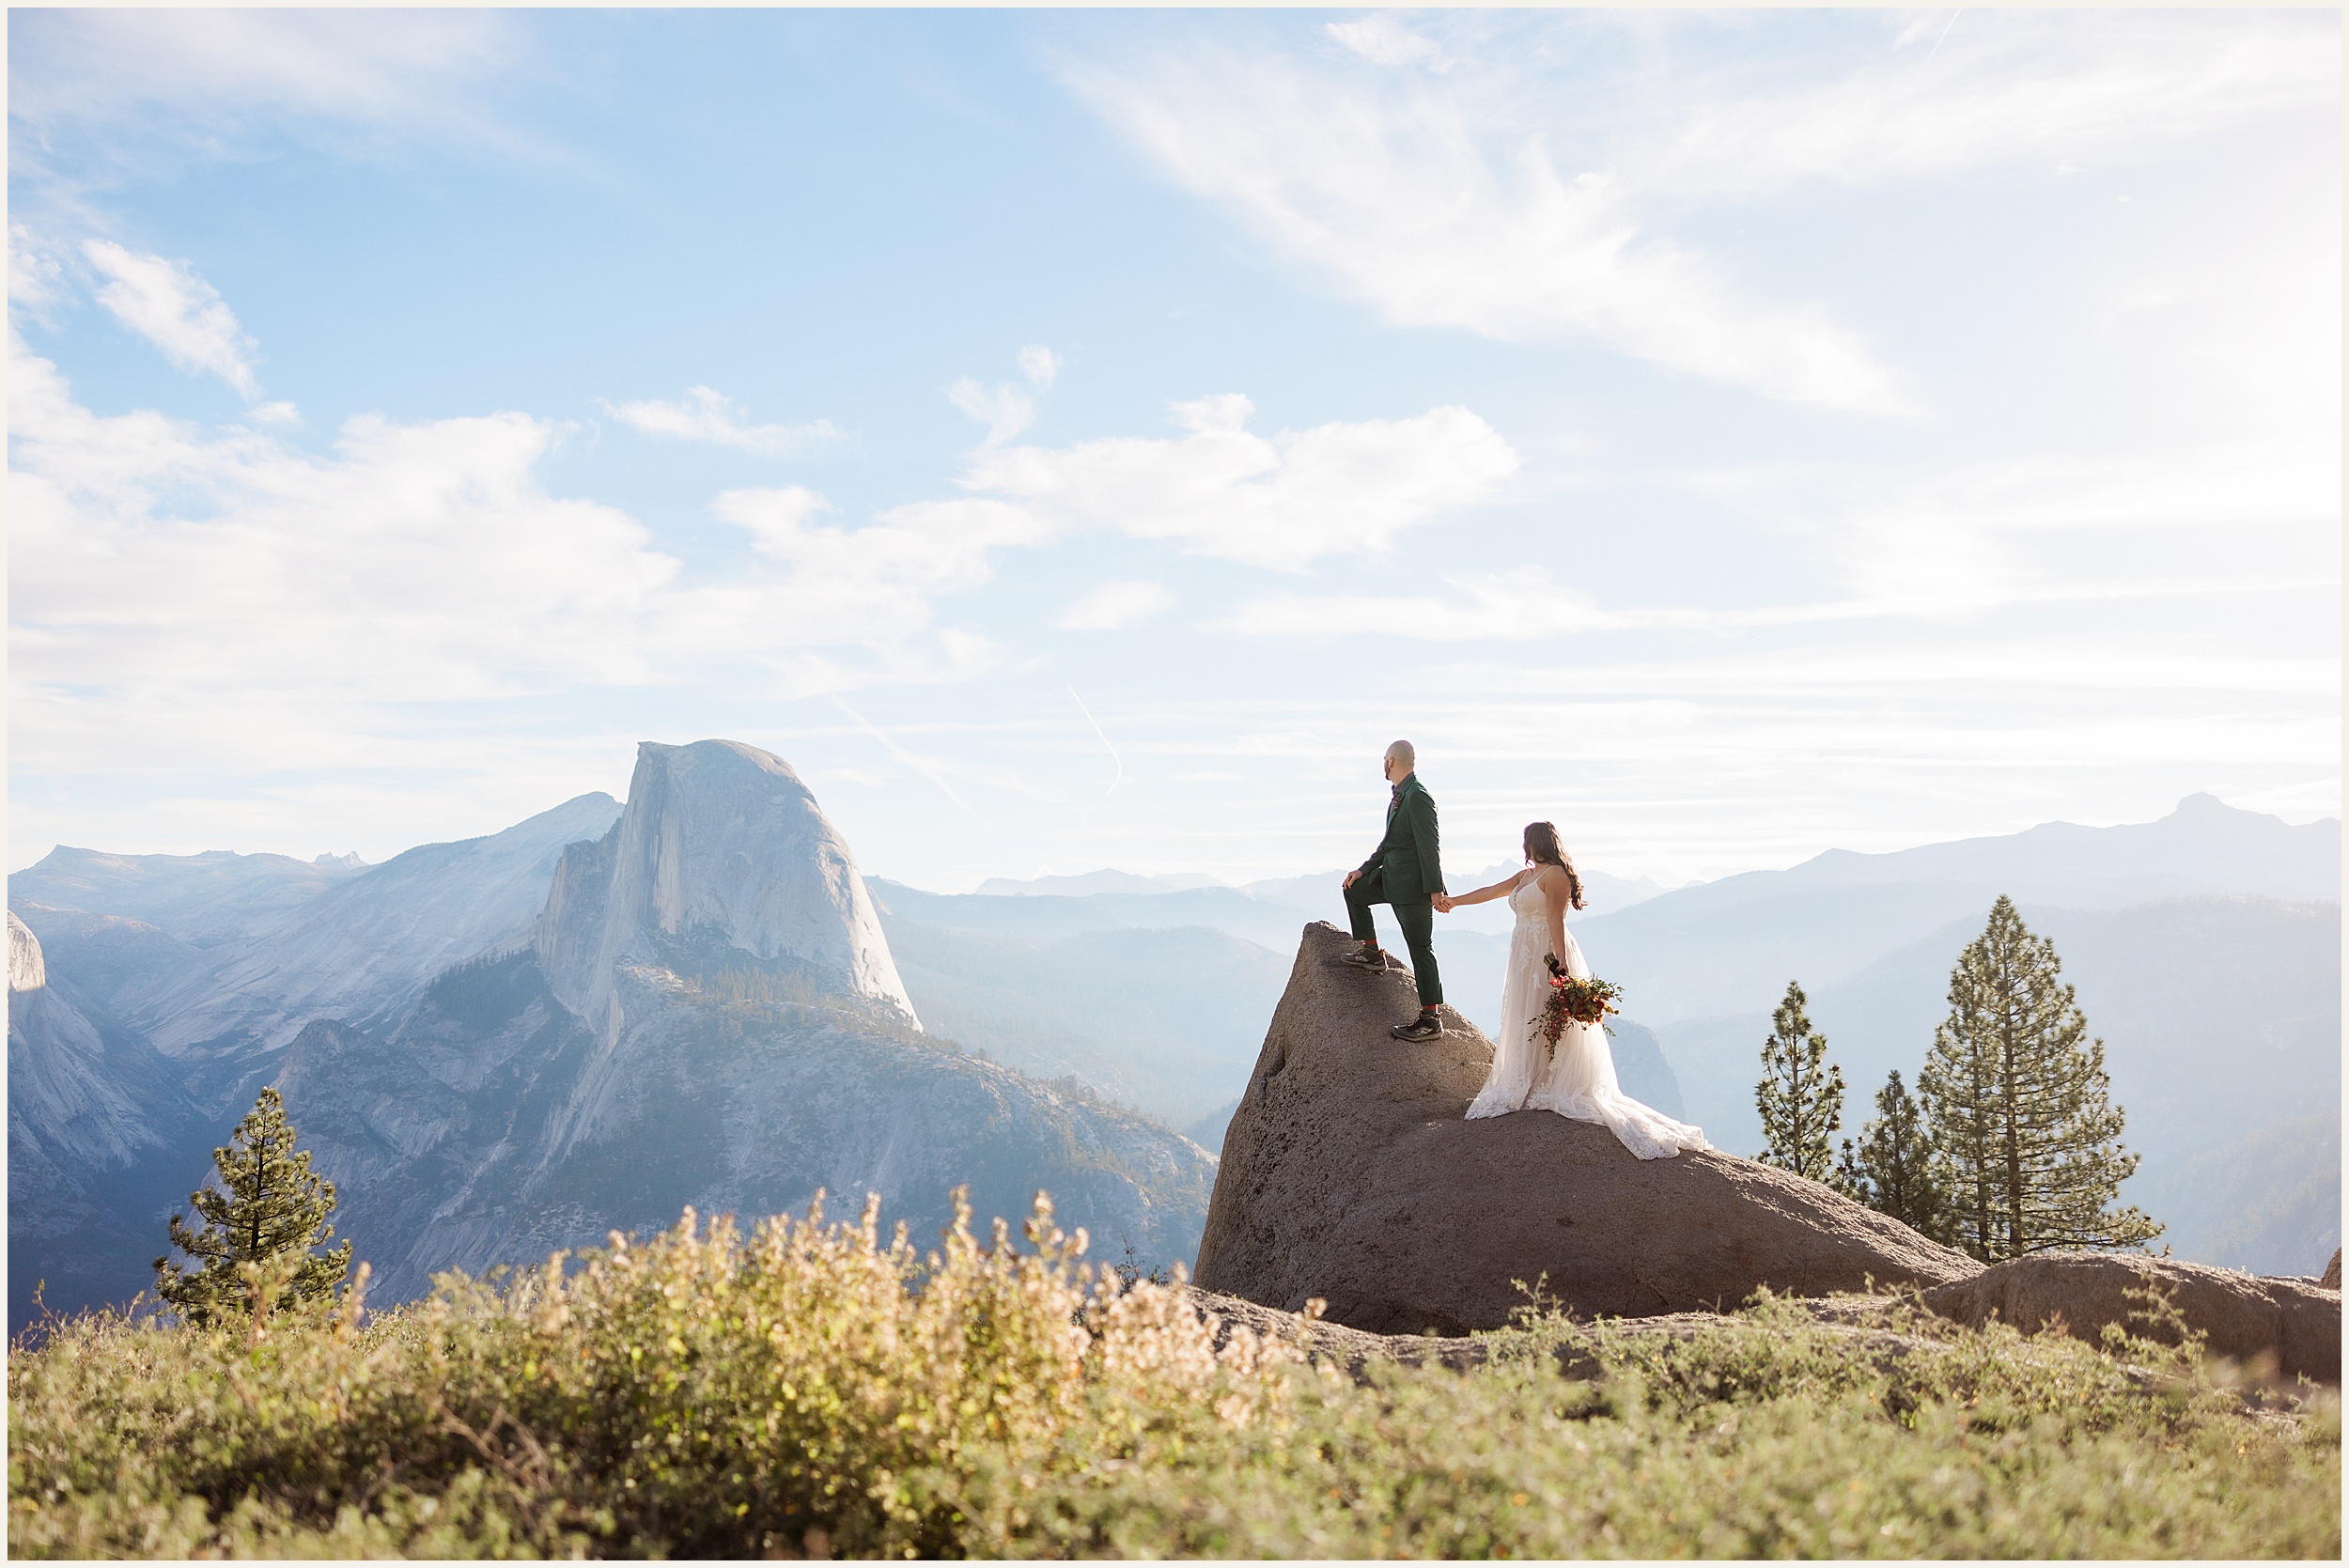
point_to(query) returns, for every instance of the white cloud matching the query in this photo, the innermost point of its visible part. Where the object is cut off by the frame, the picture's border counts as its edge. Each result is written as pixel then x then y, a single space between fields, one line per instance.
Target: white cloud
pixel 1515 605
pixel 1390 191
pixel 1040 366
pixel 1382 40
pixel 839 584
pixel 706 414
pixel 418 562
pixel 1986 89
pixel 1937 547
pixel 1003 409
pixel 35 273
pixel 208 74
pixel 168 304
pixel 1519 196
pixel 1114 607
pixel 1279 501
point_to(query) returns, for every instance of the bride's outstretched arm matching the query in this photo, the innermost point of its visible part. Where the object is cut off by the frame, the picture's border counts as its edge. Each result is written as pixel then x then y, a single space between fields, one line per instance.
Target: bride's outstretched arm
pixel 1501 889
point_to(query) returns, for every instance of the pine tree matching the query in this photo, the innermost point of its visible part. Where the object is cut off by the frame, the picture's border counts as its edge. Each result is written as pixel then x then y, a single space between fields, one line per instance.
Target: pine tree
pixel 266 1208
pixel 1891 1171
pixel 2027 1147
pixel 1800 1096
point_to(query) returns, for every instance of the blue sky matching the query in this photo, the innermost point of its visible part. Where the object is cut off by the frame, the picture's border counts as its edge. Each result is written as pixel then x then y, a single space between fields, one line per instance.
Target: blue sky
pixel 1087 438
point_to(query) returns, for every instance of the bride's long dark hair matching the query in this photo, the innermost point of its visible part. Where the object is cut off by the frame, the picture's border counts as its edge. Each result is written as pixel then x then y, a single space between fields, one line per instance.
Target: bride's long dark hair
pixel 1543 848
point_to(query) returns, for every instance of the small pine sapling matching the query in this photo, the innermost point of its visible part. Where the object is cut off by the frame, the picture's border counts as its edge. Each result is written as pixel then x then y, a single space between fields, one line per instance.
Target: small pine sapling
pixel 1800 1095
pixel 260 1222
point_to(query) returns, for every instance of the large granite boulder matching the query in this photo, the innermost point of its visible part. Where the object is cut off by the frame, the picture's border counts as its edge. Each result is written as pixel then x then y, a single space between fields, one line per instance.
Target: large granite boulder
pixel 1349 1174
pixel 2244 1317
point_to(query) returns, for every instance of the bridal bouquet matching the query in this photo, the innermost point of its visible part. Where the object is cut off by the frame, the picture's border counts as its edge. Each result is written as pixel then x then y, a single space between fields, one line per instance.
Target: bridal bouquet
pixel 1573 1000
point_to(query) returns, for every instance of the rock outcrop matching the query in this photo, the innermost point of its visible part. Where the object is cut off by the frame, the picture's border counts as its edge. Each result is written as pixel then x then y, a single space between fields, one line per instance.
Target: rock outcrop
pixel 2331 1277
pixel 722 848
pixel 2244 1317
pixel 1349 1174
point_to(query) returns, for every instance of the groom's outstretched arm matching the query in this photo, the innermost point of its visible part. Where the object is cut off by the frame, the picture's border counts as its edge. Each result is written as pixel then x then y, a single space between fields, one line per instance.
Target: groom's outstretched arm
pixel 1424 838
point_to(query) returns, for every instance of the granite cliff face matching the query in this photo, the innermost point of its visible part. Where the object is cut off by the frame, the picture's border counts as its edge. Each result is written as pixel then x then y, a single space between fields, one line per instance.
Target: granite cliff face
pixel 583 1024
pixel 722 850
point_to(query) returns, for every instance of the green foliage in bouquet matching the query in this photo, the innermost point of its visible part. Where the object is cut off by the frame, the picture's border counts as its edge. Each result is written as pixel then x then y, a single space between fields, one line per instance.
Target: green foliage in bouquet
pixel 1572 999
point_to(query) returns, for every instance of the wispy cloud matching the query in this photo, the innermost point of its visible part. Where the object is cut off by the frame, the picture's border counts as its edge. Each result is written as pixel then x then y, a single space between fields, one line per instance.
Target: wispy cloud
pixel 419 562
pixel 171 306
pixel 1003 409
pixel 1383 40
pixel 165 579
pixel 1040 366
pixel 1389 189
pixel 1114 607
pixel 706 414
pixel 1985 88
pixel 1515 177
pixel 870 590
pixel 1527 606
pixel 206 77
pixel 1006 410
pixel 36 275
pixel 1279 501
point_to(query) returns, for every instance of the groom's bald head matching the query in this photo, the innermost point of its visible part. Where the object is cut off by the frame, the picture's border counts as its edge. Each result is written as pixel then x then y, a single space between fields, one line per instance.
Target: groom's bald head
pixel 1401 760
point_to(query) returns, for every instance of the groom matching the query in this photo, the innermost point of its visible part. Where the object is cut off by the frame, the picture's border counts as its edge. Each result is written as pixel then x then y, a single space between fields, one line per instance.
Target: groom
pixel 1405 871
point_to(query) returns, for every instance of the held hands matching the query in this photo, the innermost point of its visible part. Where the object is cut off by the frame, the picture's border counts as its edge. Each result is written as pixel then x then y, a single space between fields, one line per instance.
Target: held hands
pixel 1443 903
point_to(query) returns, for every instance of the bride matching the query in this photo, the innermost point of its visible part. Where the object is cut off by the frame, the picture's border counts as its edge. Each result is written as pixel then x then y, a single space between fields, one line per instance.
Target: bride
pixel 1580 1080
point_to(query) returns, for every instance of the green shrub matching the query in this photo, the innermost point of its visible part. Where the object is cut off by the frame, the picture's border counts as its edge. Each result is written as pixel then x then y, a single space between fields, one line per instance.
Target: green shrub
pixel 808 1389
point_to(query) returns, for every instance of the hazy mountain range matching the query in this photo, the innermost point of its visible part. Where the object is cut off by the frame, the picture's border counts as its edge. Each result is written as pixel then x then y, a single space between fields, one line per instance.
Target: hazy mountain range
pixel 603 1012
pixel 2206 948
pixel 516 1044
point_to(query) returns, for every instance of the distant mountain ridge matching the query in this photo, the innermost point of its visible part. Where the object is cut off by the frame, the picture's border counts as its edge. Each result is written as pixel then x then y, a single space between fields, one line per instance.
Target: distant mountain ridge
pixel 1310 894
pixel 521 1042
pixel 496 1066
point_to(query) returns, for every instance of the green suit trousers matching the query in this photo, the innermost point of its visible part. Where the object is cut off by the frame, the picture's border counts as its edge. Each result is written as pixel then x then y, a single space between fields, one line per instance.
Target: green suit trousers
pixel 1417 917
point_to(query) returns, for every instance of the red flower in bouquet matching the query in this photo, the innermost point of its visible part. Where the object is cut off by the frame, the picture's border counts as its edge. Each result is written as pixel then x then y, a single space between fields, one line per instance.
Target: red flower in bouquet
pixel 1573 1000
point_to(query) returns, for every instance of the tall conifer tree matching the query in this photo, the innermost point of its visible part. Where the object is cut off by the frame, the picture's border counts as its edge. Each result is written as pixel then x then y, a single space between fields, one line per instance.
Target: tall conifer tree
pixel 2027 1146
pixel 1800 1096
pixel 1892 1170
pixel 268 1204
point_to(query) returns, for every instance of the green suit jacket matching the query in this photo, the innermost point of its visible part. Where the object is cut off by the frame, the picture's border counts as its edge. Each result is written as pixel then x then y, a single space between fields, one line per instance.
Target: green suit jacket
pixel 1412 858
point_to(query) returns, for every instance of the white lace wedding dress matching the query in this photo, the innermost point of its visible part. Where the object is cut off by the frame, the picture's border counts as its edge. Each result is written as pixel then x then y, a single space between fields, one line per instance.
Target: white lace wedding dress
pixel 1580 1080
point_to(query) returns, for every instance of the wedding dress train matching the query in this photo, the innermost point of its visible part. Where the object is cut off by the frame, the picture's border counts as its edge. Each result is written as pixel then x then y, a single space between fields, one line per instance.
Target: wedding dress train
pixel 1579 1082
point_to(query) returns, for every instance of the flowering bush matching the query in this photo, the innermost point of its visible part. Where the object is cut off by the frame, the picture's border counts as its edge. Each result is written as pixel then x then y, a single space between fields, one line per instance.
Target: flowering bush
pixel 808 1389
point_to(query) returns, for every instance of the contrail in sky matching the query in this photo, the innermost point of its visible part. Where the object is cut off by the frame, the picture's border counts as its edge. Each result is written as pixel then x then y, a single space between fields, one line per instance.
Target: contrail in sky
pixel 917 763
pixel 1105 742
pixel 1945 32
